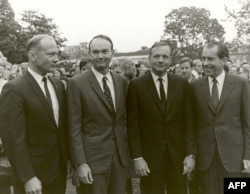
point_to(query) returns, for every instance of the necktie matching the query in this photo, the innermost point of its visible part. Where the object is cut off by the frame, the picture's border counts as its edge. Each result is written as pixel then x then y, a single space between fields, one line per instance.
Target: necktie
pixel 215 94
pixel 162 92
pixel 47 93
pixel 107 94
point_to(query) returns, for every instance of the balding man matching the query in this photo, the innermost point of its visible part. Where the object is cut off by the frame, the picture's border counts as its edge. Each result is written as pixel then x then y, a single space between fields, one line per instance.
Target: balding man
pixel 32 123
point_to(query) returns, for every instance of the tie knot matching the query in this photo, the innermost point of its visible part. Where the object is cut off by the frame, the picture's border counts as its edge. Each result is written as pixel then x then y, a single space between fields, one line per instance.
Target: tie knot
pixel 44 79
pixel 215 81
pixel 104 79
pixel 160 79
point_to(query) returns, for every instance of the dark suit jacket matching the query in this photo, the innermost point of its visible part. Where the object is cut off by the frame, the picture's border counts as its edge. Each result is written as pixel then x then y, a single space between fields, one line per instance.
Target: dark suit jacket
pixel 151 129
pixel 32 140
pixel 227 128
pixel 92 125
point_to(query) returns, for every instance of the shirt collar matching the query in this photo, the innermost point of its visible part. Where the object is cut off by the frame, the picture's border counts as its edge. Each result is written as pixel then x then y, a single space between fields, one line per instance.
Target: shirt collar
pixel 220 78
pixel 36 76
pixel 99 76
pixel 155 77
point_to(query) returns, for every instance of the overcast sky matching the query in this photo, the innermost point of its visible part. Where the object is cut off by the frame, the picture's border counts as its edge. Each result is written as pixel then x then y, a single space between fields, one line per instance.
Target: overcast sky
pixel 130 23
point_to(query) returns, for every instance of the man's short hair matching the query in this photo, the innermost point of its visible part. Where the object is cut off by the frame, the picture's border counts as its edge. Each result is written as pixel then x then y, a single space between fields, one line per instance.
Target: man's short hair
pixel 34 41
pixel 101 36
pixel 161 43
pixel 222 49
pixel 186 59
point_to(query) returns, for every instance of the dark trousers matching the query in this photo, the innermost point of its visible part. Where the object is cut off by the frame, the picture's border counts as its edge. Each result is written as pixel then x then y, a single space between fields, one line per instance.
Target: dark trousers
pixel 57 186
pixel 166 178
pixel 212 179
pixel 113 181
pixel 4 189
pixel 194 184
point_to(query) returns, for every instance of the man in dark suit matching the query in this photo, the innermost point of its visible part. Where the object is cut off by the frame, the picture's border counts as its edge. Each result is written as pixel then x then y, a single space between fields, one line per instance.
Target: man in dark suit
pixel 32 122
pixel 222 114
pixel 98 139
pixel 159 126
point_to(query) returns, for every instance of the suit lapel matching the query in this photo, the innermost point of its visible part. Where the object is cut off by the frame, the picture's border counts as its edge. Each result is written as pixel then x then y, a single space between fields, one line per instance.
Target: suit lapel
pixel 59 99
pixel 40 95
pixel 171 91
pixel 98 90
pixel 227 88
pixel 153 91
pixel 118 89
pixel 206 93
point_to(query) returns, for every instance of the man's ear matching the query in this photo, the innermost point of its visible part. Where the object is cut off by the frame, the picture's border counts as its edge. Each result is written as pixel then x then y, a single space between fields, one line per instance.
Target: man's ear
pixel 32 55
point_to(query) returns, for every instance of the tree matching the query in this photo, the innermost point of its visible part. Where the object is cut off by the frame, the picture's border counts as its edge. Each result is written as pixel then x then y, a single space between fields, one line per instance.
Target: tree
pixel 241 17
pixel 9 31
pixel 191 27
pixel 34 23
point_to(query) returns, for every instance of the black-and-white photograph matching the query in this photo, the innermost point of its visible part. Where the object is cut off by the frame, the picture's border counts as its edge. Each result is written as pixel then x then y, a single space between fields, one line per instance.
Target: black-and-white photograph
pixel 124 96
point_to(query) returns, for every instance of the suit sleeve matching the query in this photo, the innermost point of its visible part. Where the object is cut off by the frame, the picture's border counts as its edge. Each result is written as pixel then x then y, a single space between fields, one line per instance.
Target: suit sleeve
pixel 13 132
pixel 246 118
pixel 190 136
pixel 133 128
pixel 75 122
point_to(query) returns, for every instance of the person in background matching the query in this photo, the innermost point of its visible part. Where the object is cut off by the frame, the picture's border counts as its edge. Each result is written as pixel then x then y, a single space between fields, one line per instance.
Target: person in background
pixel 24 66
pixel 57 73
pixel 233 70
pixel 2 80
pixel 243 72
pixel 229 63
pixel 124 67
pixel 33 123
pixel 177 69
pixel 85 65
pixel 97 132
pixel 198 68
pixel 221 111
pixel 186 66
pixel 159 125
pixel 245 65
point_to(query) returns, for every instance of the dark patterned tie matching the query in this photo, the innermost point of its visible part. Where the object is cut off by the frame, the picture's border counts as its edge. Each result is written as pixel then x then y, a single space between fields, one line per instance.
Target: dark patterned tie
pixel 47 93
pixel 162 93
pixel 107 94
pixel 215 94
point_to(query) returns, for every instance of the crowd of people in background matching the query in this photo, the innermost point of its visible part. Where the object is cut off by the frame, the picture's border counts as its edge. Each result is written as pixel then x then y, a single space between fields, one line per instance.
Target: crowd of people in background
pixel 86 111
pixel 67 69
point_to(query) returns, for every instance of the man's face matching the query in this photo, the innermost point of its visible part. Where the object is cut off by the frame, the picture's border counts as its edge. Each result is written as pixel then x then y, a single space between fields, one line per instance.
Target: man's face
pixel 213 65
pixel 186 70
pixel 199 67
pixel 160 59
pixel 45 56
pixel 101 54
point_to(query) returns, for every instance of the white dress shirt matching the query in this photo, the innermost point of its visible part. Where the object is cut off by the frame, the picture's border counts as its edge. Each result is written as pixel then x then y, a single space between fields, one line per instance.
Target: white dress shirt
pixel 110 83
pixel 157 83
pixel 52 92
pixel 220 81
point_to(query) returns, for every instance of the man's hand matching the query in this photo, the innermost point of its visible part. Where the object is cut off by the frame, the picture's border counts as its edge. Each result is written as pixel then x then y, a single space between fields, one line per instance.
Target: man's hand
pixel 246 165
pixel 189 166
pixel 84 174
pixel 33 186
pixel 141 167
